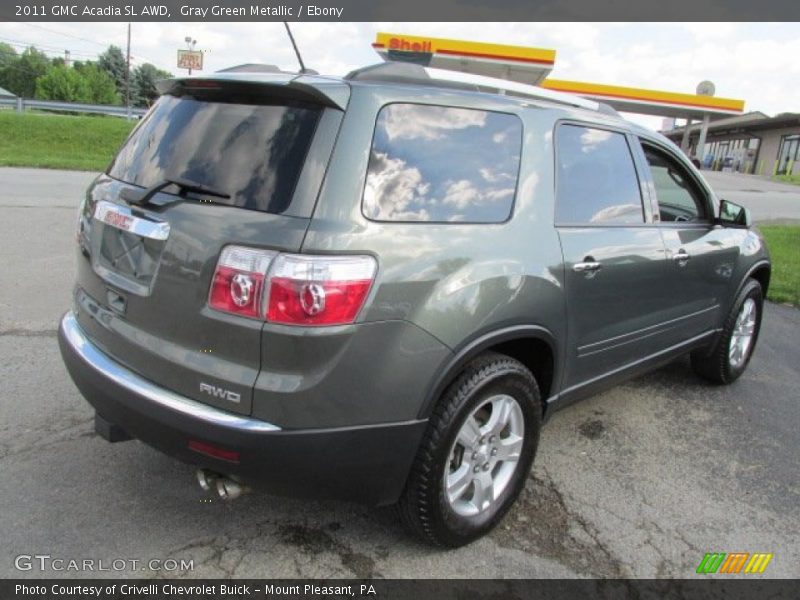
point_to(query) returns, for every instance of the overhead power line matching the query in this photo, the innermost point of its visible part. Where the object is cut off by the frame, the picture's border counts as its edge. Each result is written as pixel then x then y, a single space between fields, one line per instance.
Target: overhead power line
pixel 45 47
pixel 138 57
pixel 77 37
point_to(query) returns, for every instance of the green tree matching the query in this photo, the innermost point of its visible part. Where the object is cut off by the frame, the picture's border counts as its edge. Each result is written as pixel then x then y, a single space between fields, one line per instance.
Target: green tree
pixel 8 59
pixel 143 89
pixel 88 84
pixel 113 62
pixel 7 52
pixel 63 84
pixel 101 88
pixel 20 77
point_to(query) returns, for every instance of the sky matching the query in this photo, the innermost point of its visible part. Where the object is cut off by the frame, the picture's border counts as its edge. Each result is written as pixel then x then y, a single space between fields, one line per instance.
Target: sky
pixel 755 62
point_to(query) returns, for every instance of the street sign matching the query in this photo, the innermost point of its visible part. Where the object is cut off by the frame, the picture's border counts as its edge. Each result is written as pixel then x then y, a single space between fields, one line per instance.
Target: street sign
pixel 190 59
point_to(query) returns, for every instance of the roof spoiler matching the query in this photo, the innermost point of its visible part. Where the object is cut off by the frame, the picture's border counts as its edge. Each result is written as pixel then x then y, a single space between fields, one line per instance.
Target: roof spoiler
pixel 269 83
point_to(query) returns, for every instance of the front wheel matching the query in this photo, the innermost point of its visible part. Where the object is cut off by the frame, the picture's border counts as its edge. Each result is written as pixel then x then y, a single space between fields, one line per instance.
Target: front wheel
pixel 476 453
pixel 732 352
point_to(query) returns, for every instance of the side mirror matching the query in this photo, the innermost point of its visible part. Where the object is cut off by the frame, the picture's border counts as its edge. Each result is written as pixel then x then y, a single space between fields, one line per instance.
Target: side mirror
pixel 733 215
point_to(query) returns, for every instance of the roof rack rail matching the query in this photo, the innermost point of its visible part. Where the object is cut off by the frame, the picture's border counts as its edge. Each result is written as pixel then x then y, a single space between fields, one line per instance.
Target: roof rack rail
pixel 251 68
pixel 402 72
pixel 607 109
pixel 389 71
pixel 262 68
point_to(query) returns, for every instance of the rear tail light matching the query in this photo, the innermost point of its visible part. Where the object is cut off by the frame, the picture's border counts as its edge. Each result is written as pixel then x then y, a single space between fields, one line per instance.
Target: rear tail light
pixel 292 289
pixel 318 290
pixel 238 283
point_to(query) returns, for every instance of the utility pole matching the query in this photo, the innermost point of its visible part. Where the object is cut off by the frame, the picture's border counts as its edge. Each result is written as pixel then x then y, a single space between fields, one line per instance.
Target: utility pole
pixel 128 77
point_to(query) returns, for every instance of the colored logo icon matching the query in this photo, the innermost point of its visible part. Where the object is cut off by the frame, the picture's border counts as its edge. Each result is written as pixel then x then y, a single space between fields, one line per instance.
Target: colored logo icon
pixel 733 563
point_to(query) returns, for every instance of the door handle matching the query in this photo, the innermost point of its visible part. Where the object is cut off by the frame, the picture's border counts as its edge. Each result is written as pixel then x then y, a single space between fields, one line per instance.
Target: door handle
pixel 589 267
pixel 681 257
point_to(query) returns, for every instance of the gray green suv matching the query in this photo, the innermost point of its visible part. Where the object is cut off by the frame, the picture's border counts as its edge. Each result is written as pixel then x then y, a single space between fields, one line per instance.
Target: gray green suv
pixel 377 287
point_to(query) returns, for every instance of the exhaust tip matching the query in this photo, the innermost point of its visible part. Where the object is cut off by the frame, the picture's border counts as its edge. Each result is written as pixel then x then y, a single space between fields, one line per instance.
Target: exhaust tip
pixel 229 489
pixel 207 479
pixel 225 487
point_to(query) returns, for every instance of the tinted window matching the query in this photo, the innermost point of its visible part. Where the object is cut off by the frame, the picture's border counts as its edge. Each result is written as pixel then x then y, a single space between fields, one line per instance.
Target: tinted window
pixel 678 197
pixel 433 163
pixel 253 152
pixel 597 181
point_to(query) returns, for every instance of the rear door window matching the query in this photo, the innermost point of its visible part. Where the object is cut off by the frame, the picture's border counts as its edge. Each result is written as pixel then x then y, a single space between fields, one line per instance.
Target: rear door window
pixel 442 164
pixel 253 152
pixel 597 181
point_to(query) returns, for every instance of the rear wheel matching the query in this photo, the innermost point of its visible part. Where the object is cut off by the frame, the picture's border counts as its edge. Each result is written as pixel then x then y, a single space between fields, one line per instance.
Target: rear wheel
pixel 476 453
pixel 732 352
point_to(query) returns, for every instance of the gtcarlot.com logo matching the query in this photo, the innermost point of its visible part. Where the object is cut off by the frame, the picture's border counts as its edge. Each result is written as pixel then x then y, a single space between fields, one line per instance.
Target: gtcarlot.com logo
pixel 46 562
pixel 733 563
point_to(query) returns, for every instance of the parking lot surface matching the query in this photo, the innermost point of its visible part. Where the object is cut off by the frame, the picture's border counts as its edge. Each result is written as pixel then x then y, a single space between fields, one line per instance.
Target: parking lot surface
pixel 767 200
pixel 641 481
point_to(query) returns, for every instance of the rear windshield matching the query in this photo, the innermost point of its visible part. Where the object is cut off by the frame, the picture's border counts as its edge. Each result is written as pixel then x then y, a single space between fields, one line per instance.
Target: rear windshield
pixel 252 152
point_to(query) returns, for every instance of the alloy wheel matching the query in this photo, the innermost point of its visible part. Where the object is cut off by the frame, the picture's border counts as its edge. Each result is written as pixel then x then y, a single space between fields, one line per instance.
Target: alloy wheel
pixel 485 455
pixel 742 337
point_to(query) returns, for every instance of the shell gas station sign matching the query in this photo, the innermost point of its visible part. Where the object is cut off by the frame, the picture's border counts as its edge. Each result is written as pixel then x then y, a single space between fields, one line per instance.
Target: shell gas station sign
pixel 515 63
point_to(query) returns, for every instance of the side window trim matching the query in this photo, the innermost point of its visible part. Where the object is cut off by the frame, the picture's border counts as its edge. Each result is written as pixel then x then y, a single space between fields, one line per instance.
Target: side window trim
pixel 645 180
pixel 644 195
pixel 706 197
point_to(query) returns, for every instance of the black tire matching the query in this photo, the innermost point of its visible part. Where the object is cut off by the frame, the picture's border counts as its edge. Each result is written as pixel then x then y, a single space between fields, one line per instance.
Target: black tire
pixel 423 507
pixel 715 365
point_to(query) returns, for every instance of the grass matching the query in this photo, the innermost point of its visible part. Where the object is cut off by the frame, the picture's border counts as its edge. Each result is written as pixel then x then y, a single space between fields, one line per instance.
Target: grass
pixel 795 179
pixel 784 247
pixel 59 141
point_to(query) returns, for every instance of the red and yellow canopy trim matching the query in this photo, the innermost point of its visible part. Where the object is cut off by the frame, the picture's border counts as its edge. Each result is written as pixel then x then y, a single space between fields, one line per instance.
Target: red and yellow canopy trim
pixel 616 92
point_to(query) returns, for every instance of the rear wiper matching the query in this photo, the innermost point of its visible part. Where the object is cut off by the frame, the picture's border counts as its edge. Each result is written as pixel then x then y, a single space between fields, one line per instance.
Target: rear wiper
pixel 142 198
pixel 198 188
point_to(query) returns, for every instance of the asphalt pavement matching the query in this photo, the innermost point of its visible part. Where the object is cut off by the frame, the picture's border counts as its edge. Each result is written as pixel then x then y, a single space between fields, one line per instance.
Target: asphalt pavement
pixel 641 481
pixel 767 200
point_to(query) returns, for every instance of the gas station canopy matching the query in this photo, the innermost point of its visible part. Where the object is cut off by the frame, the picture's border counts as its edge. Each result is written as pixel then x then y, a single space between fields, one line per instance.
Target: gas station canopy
pixel 515 63
pixel 533 65
pixel 649 102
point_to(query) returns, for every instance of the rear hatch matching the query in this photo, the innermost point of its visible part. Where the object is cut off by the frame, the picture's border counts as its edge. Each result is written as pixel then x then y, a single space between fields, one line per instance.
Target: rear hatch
pixel 216 162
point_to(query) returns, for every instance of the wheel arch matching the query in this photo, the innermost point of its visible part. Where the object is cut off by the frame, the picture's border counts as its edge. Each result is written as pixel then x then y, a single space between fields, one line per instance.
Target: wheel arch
pixel 534 346
pixel 761 272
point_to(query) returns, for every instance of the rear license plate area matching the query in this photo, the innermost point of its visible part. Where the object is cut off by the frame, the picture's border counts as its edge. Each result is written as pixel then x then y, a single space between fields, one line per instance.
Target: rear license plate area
pixel 127 248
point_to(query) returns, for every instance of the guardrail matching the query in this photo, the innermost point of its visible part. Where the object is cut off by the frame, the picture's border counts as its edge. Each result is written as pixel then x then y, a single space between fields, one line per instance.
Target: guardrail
pixel 23 104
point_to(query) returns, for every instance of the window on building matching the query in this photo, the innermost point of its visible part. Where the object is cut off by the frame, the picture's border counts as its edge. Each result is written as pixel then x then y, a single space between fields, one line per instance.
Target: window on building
pixel 597 181
pixel 442 164
pixel 789 153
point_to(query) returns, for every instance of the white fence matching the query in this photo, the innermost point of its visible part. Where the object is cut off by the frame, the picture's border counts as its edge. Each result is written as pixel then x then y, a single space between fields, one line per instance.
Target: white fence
pixel 23 104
